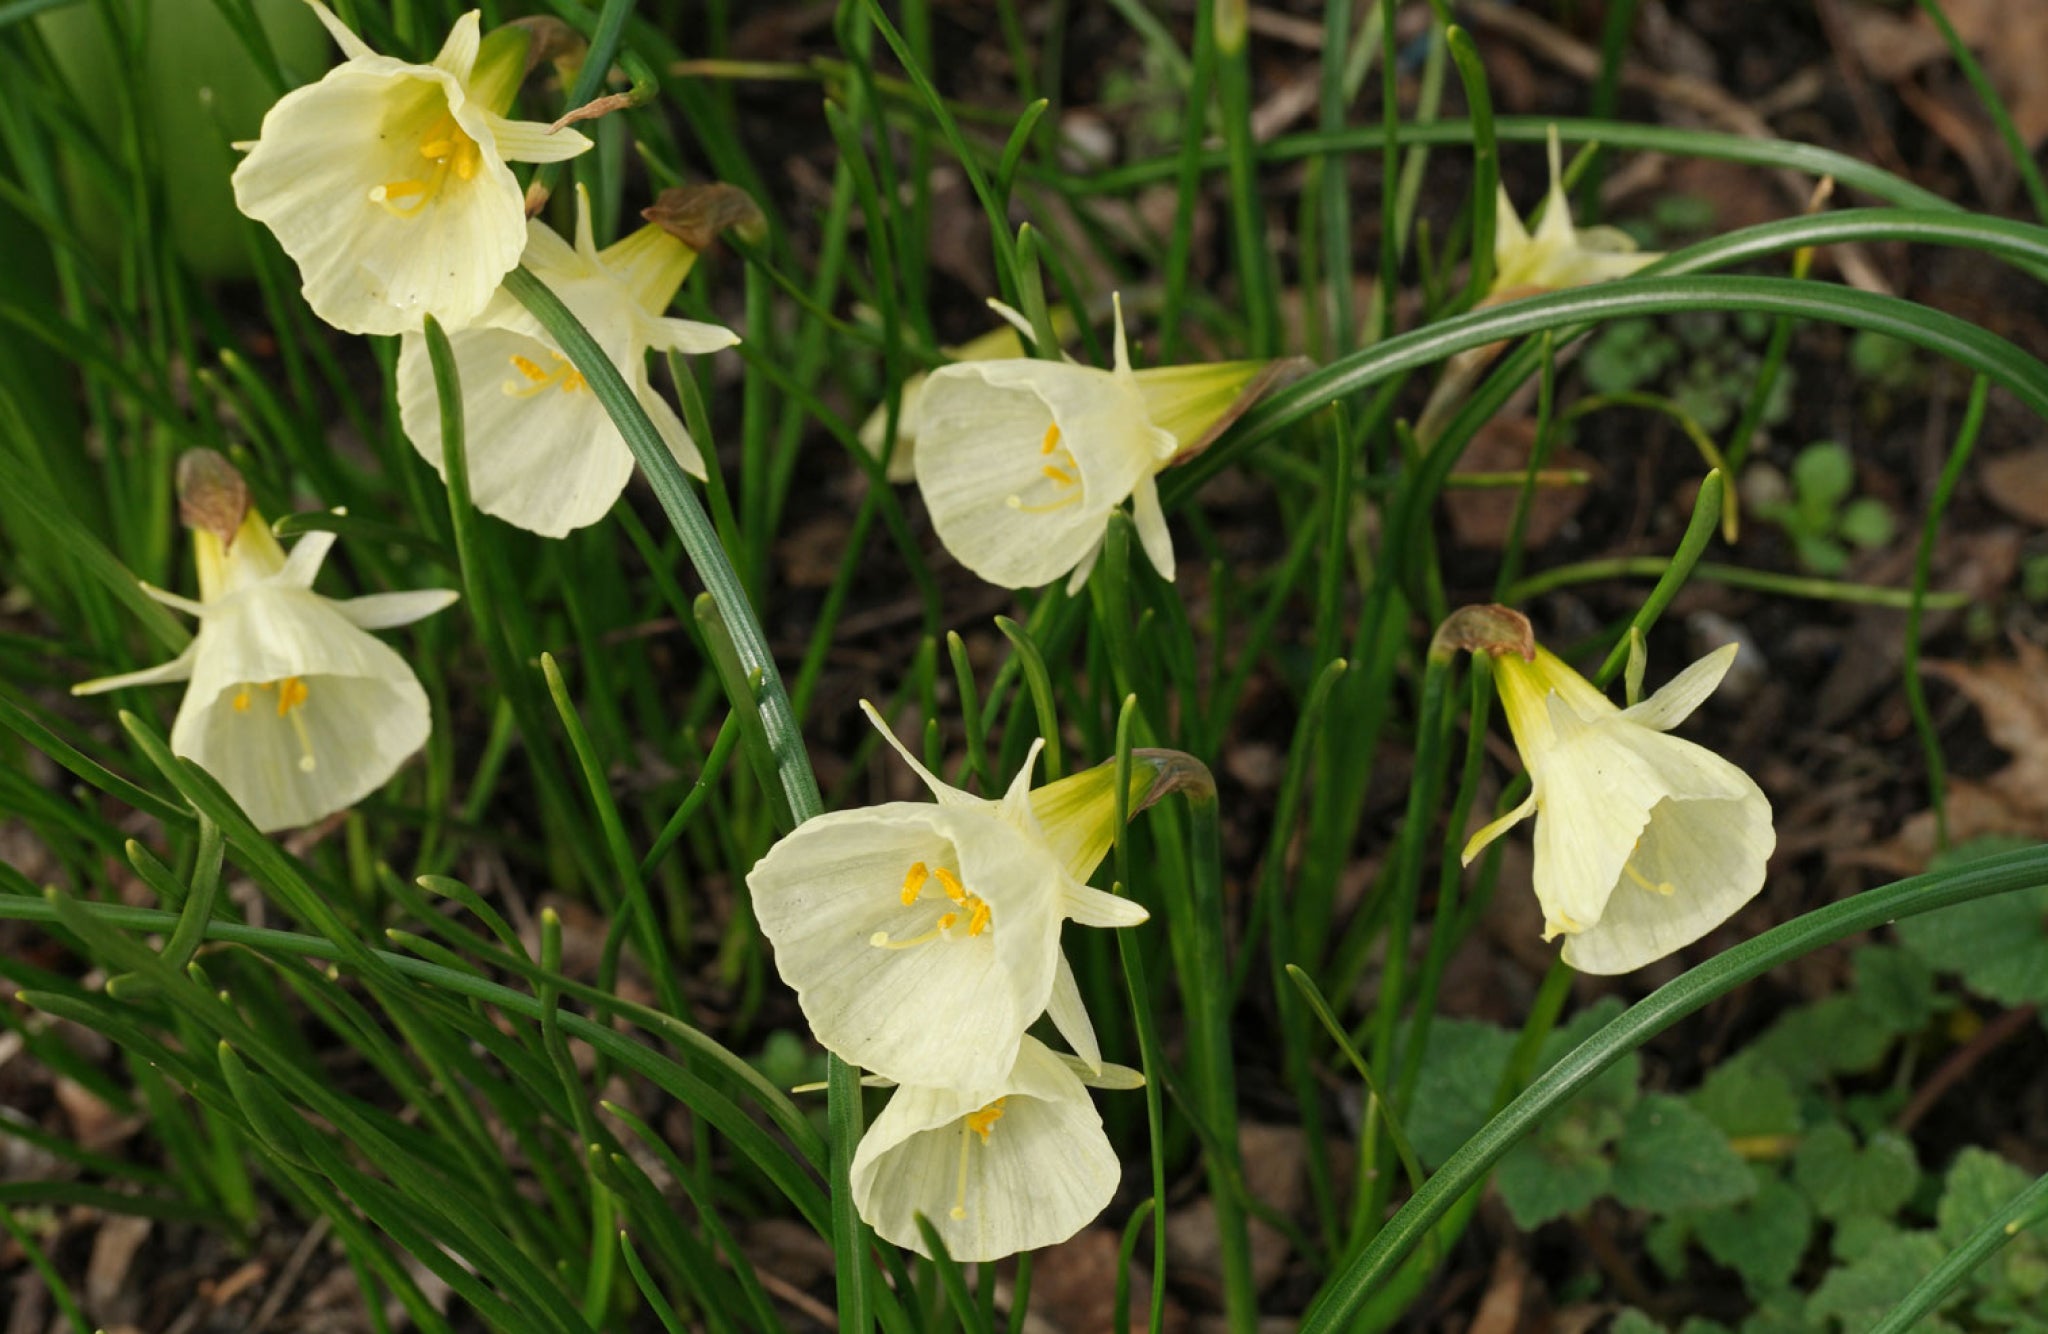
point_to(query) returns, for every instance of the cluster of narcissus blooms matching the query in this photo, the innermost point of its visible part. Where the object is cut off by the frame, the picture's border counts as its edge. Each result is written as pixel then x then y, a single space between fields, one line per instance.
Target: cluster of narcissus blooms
pixel 1644 841
pixel 291 705
pixel 922 939
pixel 387 183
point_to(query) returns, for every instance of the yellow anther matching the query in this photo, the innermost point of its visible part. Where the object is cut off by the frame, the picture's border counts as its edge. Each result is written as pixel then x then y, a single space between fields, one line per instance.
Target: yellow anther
pixel 449 149
pixel 564 376
pixel 913 882
pixel 947 921
pixel 291 693
pixel 1059 476
pixel 977 921
pixel 242 700
pixel 983 1121
pixel 951 884
pixel 1052 439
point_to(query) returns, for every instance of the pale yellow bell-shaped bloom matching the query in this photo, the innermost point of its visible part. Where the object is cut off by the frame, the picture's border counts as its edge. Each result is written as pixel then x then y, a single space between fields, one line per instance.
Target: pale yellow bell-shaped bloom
pixel 1006 343
pixel 922 939
pixel 292 706
pixel 543 453
pixel 1644 842
pixel 386 183
pixel 1018 1163
pixel 1558 255
pixel 1022 461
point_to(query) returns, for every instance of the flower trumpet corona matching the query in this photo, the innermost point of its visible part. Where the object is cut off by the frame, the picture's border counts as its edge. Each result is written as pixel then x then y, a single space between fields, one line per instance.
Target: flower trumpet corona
pixel 291 705
pixel 1644 841
pixel 544 455
pixel 386 181
pixel 1021 461
pixel 922 939
pixel 1010 1166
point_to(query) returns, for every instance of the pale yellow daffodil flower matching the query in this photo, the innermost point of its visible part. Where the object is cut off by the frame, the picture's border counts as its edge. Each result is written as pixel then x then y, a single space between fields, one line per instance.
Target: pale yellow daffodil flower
pixel 1644 841
pixel 1022 461
pixel 386 182
pixel 1014 1165
pixel 922 939
pixel 292 706
pixel 1557 255
pixel 543 453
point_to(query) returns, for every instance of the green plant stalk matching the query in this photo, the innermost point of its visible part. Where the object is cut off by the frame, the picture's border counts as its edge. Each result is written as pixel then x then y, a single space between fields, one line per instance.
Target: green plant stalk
pixel 1689 992
pixel 1247 219
pixel 1485 153
pixel 1699 531
pixel 1933 330
pixel 1152 1057
pixel 1994 105
pixel 1735 576
pixel 1923 567
pixel 1185 169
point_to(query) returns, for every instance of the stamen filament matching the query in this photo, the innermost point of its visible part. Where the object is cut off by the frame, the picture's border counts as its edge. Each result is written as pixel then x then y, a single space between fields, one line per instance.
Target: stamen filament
pixel 1017 503
pixel 1661 887
pixel 960 1180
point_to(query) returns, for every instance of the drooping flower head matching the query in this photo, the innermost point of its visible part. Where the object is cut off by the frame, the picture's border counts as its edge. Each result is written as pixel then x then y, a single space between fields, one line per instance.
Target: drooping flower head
pixel 1006 343
pixel 922 939
pixel 1021 461
pixel 1558 255
pixel 291 705
pixel 543 453
pixel 1644 841
pixel 386 181
pixel 1014 1165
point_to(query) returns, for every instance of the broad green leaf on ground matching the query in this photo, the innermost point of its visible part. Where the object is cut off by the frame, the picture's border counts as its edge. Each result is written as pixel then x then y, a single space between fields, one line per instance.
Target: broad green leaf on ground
pixel 1998 945
pixel 1748 1097
pixel 1542 1179
pixel 1895 986
pixel 2014 1281
pixel 1857 1296
pixel 1673 1157
pixel 1844 1181
pixel 1461 1069
pixel 1763 1238
pixel 1839 1035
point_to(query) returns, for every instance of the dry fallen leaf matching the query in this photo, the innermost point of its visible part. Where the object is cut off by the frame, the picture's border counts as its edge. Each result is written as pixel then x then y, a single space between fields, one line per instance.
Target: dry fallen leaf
pixel 2018 483
pixel 2011 37
pixel 2011 695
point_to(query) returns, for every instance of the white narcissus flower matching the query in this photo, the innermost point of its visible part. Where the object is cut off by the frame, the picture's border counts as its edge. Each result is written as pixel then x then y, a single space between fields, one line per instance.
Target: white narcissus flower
pixel 1015 1164
pixel 1022 461
pixel 923 939
pixel 1558 255
pixel 386 182
pixel 292 706
pixel 543 453
pixel 1644 842
pixel 1002 344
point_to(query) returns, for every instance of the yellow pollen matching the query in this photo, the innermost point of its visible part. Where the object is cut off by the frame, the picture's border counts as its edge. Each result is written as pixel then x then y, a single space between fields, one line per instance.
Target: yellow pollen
pixel 951 884
pixel 1052 439
pixel 564 376
pixel 1059 476
pixel 1661 887
pixel 977 920
pixel 291 693
pixel 947 921
pixel 913 882
pixel 449 151
pixel 983 1121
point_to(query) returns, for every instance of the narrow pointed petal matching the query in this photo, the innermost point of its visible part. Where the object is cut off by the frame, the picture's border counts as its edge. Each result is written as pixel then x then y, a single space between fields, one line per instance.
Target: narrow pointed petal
pixel 458 53
pixel 1078 580
pixel 670 427
pixel 531 141
pixel 1070 1017
pixel 947 794
pixel 173 600
pixel 1494 829
pixel 1150 520
pixel 302 566
pixel 1122 362
pixel 352 46
pixel 388 611
pixel 1684 693
pixel 177 669
pixel 691 337
pixel 1093 907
